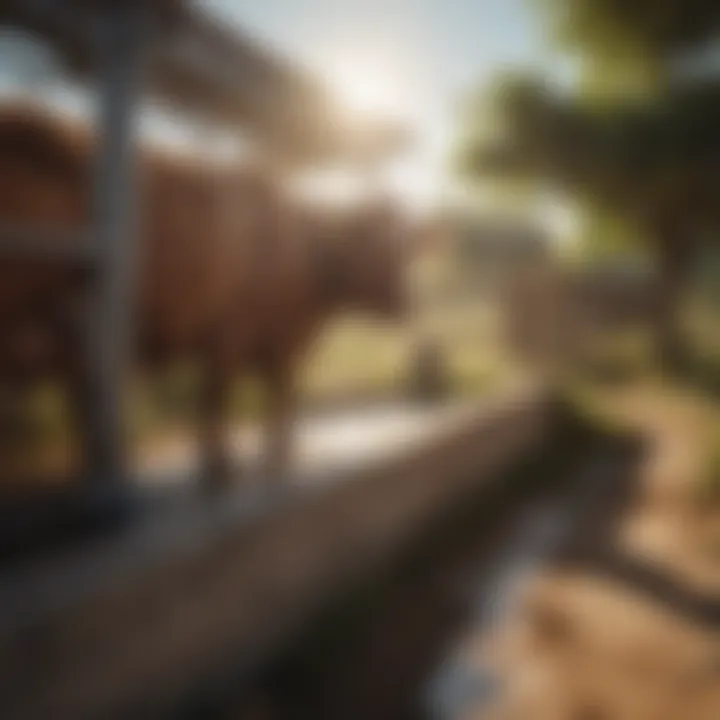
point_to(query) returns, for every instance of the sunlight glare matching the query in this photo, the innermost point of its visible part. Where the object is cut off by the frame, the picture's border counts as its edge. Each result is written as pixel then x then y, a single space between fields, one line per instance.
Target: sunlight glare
pixel 370 87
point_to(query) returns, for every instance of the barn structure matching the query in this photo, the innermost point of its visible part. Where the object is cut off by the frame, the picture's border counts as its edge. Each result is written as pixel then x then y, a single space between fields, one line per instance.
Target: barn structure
pixel 130 50
pixel 201 591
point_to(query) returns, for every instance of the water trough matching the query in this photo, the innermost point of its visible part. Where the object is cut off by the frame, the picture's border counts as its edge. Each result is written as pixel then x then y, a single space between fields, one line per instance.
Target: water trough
pixel 132 620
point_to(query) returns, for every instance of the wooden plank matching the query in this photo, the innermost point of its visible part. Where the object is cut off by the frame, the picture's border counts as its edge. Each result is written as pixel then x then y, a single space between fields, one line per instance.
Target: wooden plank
pixel 206 68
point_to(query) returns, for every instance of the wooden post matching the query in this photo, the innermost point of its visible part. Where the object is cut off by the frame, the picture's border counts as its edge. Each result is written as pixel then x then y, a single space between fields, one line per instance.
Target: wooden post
pixel 120 46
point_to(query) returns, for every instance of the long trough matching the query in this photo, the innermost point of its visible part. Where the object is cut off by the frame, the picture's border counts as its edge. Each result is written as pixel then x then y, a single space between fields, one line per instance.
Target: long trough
pixel 124 626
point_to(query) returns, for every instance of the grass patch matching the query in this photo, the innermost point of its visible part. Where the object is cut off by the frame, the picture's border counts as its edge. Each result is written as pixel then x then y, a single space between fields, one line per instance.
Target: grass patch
pixel 622 356
pixel 353 360
pixel 709 481
pixel 355 357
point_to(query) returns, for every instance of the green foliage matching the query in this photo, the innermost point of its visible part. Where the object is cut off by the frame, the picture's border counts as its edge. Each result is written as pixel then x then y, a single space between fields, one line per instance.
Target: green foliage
pixel 709 486
pixel 629 31
pixel 623 356
pixel 496 118
pixel 656 152
pixel 647 168
pixel 607 238
pixel 657 156
pixel 638 141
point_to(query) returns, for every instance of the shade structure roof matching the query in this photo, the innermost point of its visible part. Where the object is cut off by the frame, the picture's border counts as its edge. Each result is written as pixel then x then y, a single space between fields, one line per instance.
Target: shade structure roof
pixel 200 65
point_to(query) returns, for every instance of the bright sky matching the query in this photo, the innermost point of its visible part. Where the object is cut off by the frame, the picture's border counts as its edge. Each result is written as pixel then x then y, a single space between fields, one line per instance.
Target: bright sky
pixel 408 58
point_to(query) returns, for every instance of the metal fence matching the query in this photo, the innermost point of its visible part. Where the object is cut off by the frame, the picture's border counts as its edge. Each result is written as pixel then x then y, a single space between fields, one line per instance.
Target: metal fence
pixel 128 48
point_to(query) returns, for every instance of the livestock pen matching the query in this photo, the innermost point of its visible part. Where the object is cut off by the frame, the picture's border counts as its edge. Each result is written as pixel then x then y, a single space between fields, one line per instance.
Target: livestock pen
pixel 176 52
pixel 116 593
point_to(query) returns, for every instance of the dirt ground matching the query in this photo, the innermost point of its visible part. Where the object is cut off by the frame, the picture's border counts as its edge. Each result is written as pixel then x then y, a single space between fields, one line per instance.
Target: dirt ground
pixel 628 626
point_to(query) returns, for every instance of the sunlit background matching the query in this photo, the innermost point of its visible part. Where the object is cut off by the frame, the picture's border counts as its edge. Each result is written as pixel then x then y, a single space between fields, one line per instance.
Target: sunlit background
pixel 510 375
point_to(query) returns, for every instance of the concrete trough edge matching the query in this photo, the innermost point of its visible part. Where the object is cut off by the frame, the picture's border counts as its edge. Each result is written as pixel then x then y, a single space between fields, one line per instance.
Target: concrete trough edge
pixel 229 583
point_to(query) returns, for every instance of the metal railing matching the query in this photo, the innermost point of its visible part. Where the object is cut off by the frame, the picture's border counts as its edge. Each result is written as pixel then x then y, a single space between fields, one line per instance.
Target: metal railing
pixel 119 33
pixel 182 55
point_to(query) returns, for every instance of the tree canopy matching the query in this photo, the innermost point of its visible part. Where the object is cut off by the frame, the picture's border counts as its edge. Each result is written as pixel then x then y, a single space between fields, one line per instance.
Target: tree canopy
pixel 611 30
pixel 658 154
pixel 644 151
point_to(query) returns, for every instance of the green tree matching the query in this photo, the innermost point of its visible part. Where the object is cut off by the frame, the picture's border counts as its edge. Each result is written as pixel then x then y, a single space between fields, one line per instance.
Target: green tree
pixel 636 139
pixel 632 44
pixel 655 164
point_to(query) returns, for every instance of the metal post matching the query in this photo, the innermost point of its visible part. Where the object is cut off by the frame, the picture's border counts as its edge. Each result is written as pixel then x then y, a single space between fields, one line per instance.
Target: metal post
pixel 120 47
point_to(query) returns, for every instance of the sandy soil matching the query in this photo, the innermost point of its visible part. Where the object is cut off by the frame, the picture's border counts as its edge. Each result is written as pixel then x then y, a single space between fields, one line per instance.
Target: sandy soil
pixel 642 643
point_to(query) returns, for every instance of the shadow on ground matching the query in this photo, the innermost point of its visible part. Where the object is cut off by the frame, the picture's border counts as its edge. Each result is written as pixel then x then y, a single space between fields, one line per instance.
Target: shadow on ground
pixel 375 648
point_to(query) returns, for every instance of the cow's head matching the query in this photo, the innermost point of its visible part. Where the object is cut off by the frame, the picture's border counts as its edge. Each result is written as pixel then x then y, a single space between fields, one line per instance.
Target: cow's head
pixel 375 246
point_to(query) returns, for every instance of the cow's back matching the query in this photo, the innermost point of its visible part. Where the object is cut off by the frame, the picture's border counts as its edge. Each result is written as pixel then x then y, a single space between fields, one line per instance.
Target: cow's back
pixel 189 254
pixel 193 260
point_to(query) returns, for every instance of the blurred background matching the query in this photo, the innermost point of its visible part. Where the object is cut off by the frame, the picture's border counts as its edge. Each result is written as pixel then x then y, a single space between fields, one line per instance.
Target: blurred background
pixel 547 173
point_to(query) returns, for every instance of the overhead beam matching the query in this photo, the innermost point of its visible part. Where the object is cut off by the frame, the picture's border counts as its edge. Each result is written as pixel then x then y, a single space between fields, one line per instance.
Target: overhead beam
pixel 200 65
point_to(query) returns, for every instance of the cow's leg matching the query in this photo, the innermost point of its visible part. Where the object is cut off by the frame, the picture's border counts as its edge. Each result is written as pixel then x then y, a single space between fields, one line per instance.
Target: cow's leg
pixel 217 467
pixel 80 399
pixel 73 335
pixel 282 407
pixel 12 424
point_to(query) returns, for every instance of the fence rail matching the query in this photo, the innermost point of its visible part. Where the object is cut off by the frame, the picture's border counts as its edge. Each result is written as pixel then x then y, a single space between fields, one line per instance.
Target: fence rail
pixel 170 49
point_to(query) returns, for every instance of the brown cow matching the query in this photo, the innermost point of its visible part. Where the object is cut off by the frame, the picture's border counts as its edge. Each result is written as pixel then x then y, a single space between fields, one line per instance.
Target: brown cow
pixel 232 273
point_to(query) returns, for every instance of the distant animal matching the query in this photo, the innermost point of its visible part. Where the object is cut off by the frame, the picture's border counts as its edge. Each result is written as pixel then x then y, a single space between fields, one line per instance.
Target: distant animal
pixel 232 272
